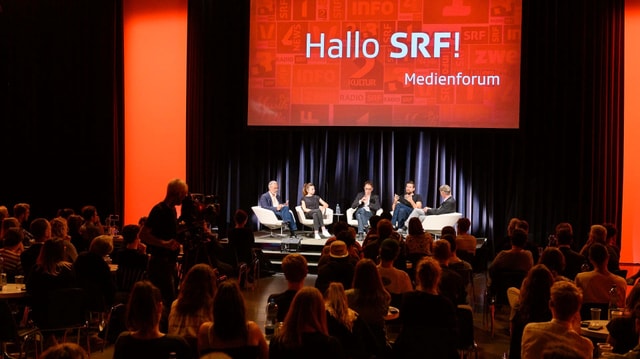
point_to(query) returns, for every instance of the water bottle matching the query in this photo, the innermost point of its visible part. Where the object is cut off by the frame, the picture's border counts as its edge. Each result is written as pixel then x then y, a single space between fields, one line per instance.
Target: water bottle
pixel 613 300
pixel 272 318
pixel 337 209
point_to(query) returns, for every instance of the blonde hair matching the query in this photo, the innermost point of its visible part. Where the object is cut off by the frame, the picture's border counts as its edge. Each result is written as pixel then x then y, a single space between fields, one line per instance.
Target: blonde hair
pixel 338 306
pixel 101 245
pixel 59 228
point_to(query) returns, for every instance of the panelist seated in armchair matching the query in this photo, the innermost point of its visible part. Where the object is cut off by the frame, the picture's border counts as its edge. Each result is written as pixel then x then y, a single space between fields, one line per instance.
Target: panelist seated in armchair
pixel 365 204
pixel 271 200
pixel 448 205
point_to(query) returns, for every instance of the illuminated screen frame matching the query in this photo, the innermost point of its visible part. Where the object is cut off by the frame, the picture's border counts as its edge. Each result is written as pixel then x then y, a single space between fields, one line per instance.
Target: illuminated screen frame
pixel 385 63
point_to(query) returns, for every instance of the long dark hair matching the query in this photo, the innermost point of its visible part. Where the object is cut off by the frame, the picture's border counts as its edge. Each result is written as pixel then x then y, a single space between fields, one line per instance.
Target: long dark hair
pixel 229 312
pixel 367 280
pixel 535 294
pixel 142 308
pixel 197 291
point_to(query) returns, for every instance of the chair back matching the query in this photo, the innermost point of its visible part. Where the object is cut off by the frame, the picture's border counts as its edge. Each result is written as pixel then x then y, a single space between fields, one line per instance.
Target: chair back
pixel 465 336
pixel 126 277
pixel 502 280
pixel 266 217
pixel 65 309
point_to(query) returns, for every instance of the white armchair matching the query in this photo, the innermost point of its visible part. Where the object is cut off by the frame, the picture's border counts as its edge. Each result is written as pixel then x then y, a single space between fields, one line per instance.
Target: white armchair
pixel 354 222
pixel 269 219
pixel 434 223
pixel 327 219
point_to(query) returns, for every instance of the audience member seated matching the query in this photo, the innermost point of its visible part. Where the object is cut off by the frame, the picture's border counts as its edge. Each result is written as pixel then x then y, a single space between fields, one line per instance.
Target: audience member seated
pixel 64 351
pixel 395 281
pixel 241 239
pixel 41 231
pixel 428 318
pixel 533 305
pixel 451 283
pixel 230 332
pixel 8 222
pixel 11 251
pixel 131 260
pixel 93 274
pixel 342 232
pixel 595 284
pixel 598 234
pixel 623 335
pixel 74 222
pixel 60 230
pixel 294 267
pixel 346 325
pixel 370 299
pixel 573 260
pixel 144 339
pixel 419 242
pixel 562 329
pixel 553 259
pixel 339 267
pixel 194 304
pixel 4 213
pixel 50 273
pixel 91 227
pixel 459 265
pixel 373 230
pixel 304 332
pixel 371 247
pixel 21 212
pixel 465 241
pixel 510 266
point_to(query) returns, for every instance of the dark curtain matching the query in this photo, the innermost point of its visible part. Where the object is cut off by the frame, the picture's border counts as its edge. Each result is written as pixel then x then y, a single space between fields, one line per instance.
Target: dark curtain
pixel 563 164
pixel 60 105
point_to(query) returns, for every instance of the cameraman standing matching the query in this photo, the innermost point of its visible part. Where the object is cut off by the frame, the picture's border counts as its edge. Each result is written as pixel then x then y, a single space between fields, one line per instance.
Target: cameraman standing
pixel 159 233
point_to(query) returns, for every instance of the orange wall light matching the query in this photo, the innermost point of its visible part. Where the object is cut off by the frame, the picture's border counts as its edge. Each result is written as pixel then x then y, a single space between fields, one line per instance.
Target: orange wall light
pixel 631 178
pixel 155 71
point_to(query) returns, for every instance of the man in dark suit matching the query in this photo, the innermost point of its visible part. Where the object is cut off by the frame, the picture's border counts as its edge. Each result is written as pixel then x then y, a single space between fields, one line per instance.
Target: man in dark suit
pixel 271 200
pixel 448 205
pixel 367 204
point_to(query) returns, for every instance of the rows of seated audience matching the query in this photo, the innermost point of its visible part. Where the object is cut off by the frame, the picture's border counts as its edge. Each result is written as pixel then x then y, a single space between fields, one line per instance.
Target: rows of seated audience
pixel 345 314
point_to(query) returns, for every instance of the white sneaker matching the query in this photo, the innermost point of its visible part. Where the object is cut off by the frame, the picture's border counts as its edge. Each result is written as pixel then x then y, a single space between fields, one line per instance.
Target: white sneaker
pixel 316 236
pixel 326 233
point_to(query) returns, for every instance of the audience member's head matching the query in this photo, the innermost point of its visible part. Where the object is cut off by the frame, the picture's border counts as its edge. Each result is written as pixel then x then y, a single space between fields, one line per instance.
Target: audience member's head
pixel 65 351
pixel 612 233
pixel 306 314
pixel 9 222
pixel 463 225
pixel 553 258
pixel 51 255
pixel 348 236
pixel 130 233
pixel 144 307
pixel 240 217
pixel 65 212
pixel 535 292
pixel 452 243
pixel 338 305
pixel 564 226
pixel 74 223
pixel 513 223
pixel 389 249
pixel 386 215
pixel 294 267
pixel 441 251
pixel 339 227
pixel 101 245
pixel 21 211
pixel 598 234
pixel 373 222
pixel 564 236
pixel 13 238
pixel 4 213
pixel 428 274
pixel 448 230
pixel 518 238
pixel 415 227
pixel 40 228
pixel 197 290
pixel 385 228
pixel 59 228
pixel 598 255
pixel 566 300
pixel 229 312
pixel 524 225
pixel 89 213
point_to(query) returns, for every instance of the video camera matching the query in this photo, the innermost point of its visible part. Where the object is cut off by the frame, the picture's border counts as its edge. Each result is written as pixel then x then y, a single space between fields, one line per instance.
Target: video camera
pixel 197 208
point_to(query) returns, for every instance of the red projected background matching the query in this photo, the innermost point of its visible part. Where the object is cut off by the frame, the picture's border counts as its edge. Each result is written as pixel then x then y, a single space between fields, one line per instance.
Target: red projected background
pixel 425 63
